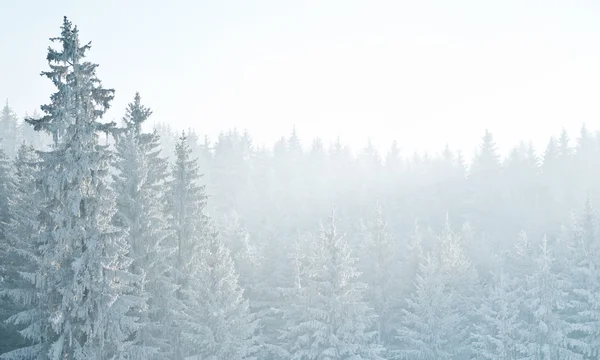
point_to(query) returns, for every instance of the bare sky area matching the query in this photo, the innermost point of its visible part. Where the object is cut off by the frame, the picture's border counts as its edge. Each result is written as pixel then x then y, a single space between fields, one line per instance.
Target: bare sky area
pixel 424 73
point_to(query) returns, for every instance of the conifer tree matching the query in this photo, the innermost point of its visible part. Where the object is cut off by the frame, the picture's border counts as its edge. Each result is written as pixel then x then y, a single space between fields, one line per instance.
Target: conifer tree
pixel 245 255
pixel 545 299
pixel 140 186
pixel 379 257
pixel 485 192
pixel 186 203
pixel 331 320
pixel 9 261
pixel 436 321
pixel 9 131
pixel 6 191
pixel 429 321
pixel 498 333
pixel 214 322
pixel 220 325
pixel 581 280
pixel 82 270
pixel 279 278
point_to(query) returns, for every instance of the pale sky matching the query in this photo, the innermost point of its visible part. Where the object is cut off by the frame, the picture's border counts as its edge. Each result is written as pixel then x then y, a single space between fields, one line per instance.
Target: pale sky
pixel 424 73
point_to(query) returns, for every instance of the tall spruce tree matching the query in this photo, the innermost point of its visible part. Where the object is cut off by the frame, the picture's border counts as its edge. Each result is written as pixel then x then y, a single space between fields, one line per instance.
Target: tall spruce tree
pixel 545 300
pixel 437 319
pixel 214 321
pixel 430 319
pixel 9 262
pixel 140 184
pixel 498 333
pixel 379 265
pixel 186 203
pixel 581 280
pixel 9 131
pixel 220 325
pixel 330 318
pixel 83 268
pixel 485 189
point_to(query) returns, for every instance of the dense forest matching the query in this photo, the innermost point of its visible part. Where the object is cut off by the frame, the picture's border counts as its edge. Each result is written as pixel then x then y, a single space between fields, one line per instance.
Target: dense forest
pixel 119 241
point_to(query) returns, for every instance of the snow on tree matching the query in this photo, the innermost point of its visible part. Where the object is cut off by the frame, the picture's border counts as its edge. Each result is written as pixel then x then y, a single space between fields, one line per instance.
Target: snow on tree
pixel 6 191
pixel 214 322
pixel 259 290
pixel 245 255
pixel 168 139
pixel 220 325
pixel 82 268
pixel 186 203
pixel 230 171
pixel 429 321
pixel 462 280
pixel 330 318
pixel 484 181
pixel 436 321
pixel 140 184
pixel 9 131
pixel 281 262
pixel 379 268
pixel 10 262
pixel 545 299
pixel 498 332
pixel 579 268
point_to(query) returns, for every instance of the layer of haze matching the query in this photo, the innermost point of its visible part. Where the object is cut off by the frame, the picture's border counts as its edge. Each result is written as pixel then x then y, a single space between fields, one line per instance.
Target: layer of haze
pixel 424 73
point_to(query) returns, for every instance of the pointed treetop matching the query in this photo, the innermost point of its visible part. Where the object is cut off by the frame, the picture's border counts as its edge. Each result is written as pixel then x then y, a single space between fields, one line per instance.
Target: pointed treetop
pixel 447 153
pixel 69 38
pixel 563 143
pixel 136 114
pixel 585 140
pixel 293 142
pixel 488 143
pixel 77 85
pixel 487 158
pixel 552 146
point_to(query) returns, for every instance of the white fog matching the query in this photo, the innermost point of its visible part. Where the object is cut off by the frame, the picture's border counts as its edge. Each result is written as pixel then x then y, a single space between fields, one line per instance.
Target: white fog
pixel 340 180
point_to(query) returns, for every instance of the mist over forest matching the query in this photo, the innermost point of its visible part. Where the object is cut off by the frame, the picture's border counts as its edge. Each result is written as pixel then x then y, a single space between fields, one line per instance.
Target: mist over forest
pixel 127 241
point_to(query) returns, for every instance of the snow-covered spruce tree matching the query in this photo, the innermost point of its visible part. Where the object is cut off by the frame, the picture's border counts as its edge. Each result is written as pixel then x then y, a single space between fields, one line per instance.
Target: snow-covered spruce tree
pixel 220 325
pixel 20 256
pixel 380 269
pixel 461 278
pixel 246 258
pixel 281 260
pixel 281 285
pixel 498 332
pixel 249 259
pixel 140 185
pixel 186 203
pixel 436 321
pixel 430 319
pixel 410 259
pixel 244 253
pixel 330 318
pixel 82 270
pixel 9 262
pixel 9 131
pixel 6 191
pixel 545 299
pixel 214 321
pixel 580 266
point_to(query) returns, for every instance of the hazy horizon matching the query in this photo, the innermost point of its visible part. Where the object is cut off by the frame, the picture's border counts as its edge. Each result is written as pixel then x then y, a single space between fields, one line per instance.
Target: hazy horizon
pixel 422 74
